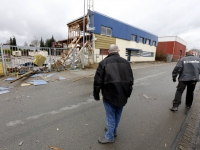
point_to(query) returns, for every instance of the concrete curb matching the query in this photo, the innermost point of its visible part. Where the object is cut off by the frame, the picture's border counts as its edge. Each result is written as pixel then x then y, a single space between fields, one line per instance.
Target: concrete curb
pixel 190 137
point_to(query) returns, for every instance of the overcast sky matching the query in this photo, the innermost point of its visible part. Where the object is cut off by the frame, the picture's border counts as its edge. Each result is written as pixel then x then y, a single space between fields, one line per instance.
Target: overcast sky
pixel 29 19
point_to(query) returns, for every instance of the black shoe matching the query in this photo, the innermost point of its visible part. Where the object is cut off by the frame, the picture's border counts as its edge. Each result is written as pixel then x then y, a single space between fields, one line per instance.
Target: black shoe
pixel 174 109
pixel 115 135
pixel 105 141
pixel 188 107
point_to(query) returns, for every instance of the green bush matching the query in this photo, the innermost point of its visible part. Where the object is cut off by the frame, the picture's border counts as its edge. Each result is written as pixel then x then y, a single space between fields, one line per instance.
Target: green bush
pixel 24 52
pixel 7 52
pixel 160 56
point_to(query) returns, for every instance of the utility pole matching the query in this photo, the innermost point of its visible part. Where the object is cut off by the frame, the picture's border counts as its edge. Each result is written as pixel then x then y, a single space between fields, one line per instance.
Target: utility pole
pixel 83 37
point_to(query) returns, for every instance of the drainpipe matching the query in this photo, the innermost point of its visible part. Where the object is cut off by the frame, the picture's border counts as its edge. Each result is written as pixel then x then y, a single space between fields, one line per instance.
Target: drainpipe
pixel 174 46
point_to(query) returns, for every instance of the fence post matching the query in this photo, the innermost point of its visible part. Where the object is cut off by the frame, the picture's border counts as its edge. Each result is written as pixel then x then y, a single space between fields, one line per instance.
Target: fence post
pixel 3 62
pixel 54 52
pixel 50 58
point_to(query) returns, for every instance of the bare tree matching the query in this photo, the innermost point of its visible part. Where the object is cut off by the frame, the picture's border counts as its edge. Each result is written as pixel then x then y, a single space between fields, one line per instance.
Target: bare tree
pixel 25 44
pixel 8 42
pixel 35 42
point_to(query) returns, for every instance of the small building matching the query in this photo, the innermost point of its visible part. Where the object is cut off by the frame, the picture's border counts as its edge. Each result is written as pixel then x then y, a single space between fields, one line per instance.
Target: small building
pixel 135 44
pixel 170 45
pixel 59 44
pixel 196 52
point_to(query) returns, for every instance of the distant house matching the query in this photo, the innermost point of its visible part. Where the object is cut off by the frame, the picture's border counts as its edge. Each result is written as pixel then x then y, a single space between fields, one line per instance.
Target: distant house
pixel 171 45
pixel 196 52
pixel 60 44
pixel 135 44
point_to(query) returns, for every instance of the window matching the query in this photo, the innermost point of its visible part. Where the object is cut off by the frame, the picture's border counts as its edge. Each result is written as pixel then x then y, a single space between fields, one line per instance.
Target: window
pixel 154 43
pixel 103 51
pixel 133 37
pixel 141 40
pixel 133 53
pixel 147 54
pixel 109 32
pixel 103 30
pixel 106 31
pixel 147 41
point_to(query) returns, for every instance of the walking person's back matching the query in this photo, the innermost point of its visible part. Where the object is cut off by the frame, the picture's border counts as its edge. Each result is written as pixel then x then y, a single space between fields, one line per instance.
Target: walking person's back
pixel 115 79
pixel 188 69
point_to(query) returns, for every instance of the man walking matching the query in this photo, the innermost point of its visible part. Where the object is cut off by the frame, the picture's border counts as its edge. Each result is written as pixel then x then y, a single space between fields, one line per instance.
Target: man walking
pixel 188 69
pixel 114 78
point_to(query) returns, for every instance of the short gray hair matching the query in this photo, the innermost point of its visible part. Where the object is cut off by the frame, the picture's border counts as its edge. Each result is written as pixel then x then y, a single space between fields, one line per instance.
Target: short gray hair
pixel 189 52
pixel 113 48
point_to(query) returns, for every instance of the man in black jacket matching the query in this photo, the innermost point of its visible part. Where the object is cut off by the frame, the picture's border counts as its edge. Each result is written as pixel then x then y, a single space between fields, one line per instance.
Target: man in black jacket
pixel 188 69
pixel 114 78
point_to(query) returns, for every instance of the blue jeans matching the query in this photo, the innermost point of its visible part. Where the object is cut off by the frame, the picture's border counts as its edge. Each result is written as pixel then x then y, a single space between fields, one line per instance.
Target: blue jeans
pixel 113 115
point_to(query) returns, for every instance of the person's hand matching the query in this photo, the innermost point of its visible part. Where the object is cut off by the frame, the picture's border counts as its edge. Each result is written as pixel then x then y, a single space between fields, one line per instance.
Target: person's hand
pixel 96 98
pixel 174 80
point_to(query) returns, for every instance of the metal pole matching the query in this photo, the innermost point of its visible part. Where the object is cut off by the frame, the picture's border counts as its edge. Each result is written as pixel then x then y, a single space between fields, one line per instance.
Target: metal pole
pixel 2 56
pixel 73 61
pixel 50 58
pixel 83 36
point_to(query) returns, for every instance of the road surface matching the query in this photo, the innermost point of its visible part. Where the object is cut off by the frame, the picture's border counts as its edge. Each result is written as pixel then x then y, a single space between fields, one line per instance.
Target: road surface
pixel 64 114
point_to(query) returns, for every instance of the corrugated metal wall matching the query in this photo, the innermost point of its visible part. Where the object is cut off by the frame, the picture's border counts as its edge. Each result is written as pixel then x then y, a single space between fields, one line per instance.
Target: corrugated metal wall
pixel 120 29
pixel 103 42
pixel 173 48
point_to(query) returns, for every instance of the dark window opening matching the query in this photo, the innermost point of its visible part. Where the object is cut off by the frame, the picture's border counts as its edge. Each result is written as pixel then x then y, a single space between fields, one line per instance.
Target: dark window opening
pixel 103 51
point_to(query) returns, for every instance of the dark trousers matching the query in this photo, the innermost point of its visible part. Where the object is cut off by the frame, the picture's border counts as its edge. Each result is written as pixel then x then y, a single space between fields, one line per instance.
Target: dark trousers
pixel 189 95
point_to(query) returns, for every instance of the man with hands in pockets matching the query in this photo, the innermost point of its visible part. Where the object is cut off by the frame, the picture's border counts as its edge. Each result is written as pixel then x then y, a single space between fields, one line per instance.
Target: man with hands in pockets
pixel 115 79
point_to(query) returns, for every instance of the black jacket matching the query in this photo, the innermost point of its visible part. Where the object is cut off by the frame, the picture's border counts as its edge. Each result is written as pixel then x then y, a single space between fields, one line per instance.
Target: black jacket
pixel 115 79
pixel 188 69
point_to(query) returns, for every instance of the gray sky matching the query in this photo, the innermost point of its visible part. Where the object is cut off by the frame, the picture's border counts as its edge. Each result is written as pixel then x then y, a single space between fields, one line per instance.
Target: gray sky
pixel 27 19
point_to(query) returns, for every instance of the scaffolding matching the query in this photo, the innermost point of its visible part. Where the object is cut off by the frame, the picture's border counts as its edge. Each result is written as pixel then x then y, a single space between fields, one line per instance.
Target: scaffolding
pixel 83 28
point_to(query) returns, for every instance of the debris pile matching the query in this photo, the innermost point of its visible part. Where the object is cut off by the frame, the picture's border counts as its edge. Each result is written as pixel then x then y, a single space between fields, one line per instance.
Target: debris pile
pixel 73 57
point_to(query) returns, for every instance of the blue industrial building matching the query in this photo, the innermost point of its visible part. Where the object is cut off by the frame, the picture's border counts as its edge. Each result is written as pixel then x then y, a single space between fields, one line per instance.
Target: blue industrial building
pixel 135 44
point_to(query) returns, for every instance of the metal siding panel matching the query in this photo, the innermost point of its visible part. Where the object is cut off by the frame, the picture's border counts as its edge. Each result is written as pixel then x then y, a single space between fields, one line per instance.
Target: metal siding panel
pixel 178 47
pixel 104 41
pixel 119 29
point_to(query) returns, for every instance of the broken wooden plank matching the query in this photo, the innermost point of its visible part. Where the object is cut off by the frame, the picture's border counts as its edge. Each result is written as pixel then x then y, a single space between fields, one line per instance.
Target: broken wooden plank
pixel 83 77
pixel 54 148
pixel 47 80
pixel 24 75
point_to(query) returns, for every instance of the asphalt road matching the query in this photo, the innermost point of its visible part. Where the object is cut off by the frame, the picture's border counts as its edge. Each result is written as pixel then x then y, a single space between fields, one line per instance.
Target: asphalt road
pixel 63 113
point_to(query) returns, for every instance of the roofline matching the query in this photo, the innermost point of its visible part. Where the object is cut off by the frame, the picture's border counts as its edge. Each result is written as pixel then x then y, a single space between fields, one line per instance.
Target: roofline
pixel 172 36
pixel 125 23
pixel 76 20
pixel 113 19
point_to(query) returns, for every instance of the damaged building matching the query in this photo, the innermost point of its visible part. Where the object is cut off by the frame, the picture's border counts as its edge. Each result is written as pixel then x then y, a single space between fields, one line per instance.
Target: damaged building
pixel 100 31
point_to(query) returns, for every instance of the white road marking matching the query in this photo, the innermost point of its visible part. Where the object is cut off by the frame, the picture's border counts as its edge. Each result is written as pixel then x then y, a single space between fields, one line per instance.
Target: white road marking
pixel 16 122
pixel 146 66
pixel 154 75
